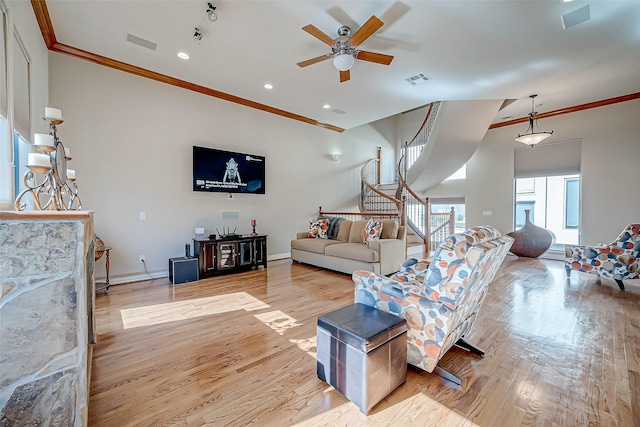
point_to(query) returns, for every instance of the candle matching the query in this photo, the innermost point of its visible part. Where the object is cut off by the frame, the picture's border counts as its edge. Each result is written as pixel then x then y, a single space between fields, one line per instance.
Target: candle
pixel 67 152
pixel 71 174
pixel 253 221
pixel 38 159
pixel 43 139
pixel 53 113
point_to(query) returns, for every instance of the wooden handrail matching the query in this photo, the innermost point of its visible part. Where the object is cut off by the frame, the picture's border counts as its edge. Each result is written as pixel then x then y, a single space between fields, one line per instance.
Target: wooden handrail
pixel 379 165
pixel 406 186
pixel 375 190
pixel 363 214
pixel 422 126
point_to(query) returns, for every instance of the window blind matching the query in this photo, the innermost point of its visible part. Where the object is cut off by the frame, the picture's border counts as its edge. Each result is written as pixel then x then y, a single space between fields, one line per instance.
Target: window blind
pixel 21 95
pixel 561 158
pixel 3 64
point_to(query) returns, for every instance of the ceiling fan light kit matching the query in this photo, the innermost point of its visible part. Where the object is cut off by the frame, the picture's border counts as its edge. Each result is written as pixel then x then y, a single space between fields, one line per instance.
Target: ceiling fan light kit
pixel 343 61
pixel 530 136
pixel 344 48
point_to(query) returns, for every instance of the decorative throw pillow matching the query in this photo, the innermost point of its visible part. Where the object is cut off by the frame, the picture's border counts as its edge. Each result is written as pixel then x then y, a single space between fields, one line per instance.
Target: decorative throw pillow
pixel 372 231
pixel 318 229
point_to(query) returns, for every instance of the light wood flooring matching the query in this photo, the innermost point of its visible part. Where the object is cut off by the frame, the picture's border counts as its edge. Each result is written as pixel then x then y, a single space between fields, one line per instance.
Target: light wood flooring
pixel 238 350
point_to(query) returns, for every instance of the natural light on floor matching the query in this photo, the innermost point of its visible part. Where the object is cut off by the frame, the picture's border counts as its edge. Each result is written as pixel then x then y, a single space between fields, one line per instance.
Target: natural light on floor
pixel 181 310
pixel 277 320
pixel 309 345
pixel 434 414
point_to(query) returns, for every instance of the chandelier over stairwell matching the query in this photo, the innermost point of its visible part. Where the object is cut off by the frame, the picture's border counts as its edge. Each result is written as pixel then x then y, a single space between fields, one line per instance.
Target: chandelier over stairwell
pixel 531 137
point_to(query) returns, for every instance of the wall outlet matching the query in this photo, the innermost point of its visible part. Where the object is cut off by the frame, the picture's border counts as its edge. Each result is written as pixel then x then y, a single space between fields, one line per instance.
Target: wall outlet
pixel 141 258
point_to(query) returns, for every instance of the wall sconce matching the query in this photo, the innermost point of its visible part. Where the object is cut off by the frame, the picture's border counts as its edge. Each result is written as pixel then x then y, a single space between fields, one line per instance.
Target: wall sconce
pixel 336 157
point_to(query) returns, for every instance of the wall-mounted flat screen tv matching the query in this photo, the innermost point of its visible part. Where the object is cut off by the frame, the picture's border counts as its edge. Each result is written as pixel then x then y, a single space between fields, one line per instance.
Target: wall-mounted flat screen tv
pixel 227 171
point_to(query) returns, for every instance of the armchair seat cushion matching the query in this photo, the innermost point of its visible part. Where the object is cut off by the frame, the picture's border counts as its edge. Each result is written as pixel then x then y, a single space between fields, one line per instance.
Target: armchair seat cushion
pixel 356 251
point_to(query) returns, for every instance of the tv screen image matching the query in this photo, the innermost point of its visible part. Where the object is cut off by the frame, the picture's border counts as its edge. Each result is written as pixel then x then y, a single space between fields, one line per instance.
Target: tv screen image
pixel 227 171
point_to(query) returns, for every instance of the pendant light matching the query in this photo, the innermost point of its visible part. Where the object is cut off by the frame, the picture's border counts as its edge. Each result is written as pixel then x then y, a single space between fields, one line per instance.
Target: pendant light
pixel 531 137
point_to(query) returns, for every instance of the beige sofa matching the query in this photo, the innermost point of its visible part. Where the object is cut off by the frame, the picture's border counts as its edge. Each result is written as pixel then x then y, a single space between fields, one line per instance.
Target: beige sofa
pixel 347 252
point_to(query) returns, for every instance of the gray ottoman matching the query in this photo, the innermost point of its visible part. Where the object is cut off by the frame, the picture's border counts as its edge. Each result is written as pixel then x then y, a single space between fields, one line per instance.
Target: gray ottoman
pixel 362 353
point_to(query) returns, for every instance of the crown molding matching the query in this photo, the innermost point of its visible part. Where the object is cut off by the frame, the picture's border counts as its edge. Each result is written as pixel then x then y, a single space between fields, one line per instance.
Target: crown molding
pixel 49 37
pixel 576 108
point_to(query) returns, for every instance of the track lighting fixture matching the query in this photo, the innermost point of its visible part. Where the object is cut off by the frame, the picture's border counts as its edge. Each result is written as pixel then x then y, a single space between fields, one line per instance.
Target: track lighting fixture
pixel 210 15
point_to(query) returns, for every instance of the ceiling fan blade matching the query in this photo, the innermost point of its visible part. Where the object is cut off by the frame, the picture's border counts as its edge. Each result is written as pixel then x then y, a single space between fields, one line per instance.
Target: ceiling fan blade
pixel 372 25
pixel 344 76
pixel 314 60
pixel 378 58
pixel 395 12
pixel 341 16
pixel 317 33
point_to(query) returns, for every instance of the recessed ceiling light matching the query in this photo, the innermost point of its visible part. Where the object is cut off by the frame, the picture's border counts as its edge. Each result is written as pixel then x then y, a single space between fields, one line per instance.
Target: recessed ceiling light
pixel 326 106
pixel 268 86
pixel 183 55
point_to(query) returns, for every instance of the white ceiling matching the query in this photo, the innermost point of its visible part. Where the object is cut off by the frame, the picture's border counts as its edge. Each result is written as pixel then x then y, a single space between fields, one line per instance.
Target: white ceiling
pixel 470 50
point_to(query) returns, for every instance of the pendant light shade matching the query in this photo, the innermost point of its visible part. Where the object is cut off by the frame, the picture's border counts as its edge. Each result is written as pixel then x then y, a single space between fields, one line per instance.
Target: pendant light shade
pixel 531 137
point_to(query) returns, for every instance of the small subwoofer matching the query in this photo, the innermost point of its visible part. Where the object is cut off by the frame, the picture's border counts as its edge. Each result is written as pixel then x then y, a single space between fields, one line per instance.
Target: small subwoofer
pixel 183 270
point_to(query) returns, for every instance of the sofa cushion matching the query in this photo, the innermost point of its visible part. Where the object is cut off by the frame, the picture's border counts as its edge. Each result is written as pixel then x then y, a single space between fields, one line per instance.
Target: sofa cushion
pixel 355 251
pixel 345 229
pixel 372 231
pixel 357 228
pixel 389 229
pixel 318 229
pixel 313 245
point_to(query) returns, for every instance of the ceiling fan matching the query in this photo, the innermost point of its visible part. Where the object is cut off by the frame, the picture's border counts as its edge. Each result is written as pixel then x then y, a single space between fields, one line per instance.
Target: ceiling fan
pixel 344 48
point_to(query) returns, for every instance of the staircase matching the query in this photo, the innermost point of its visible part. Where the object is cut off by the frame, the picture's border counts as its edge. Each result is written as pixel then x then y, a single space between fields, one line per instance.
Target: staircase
pixel 448 137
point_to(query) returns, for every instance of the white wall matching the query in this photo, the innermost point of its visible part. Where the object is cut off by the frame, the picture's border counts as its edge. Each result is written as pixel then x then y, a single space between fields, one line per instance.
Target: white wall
pixel 131 140
pixel 609 168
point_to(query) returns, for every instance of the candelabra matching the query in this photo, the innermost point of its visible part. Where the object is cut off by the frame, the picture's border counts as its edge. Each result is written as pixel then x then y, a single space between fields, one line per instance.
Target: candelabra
pixel 254 222
pixel 48 181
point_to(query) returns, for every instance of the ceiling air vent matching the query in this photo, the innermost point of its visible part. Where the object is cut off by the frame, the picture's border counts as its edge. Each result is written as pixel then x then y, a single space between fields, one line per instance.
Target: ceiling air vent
pixel 417 79
pixel 339 111
pixel 141 42
pixel 576 17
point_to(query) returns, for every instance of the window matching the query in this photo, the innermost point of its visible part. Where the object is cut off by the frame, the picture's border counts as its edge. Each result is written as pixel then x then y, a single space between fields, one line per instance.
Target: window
pixel 521 207
pixel 554 204
pixel 442 207
pixel 6 154
pixel 571 203
pixel 526 186
pixel 459 174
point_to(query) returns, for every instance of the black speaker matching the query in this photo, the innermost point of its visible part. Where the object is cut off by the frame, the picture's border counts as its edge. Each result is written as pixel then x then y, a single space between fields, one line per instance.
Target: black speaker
pixel 183 270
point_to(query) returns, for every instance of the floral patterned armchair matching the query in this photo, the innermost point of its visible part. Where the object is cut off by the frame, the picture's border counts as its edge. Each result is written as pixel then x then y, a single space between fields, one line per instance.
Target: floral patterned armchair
pixel 440 297
pixel 617 260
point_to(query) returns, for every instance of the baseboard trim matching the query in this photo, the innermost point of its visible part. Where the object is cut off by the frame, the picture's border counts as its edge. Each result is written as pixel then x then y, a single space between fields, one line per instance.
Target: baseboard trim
pixel 132 278
pixel 161 274
pixel 279 256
